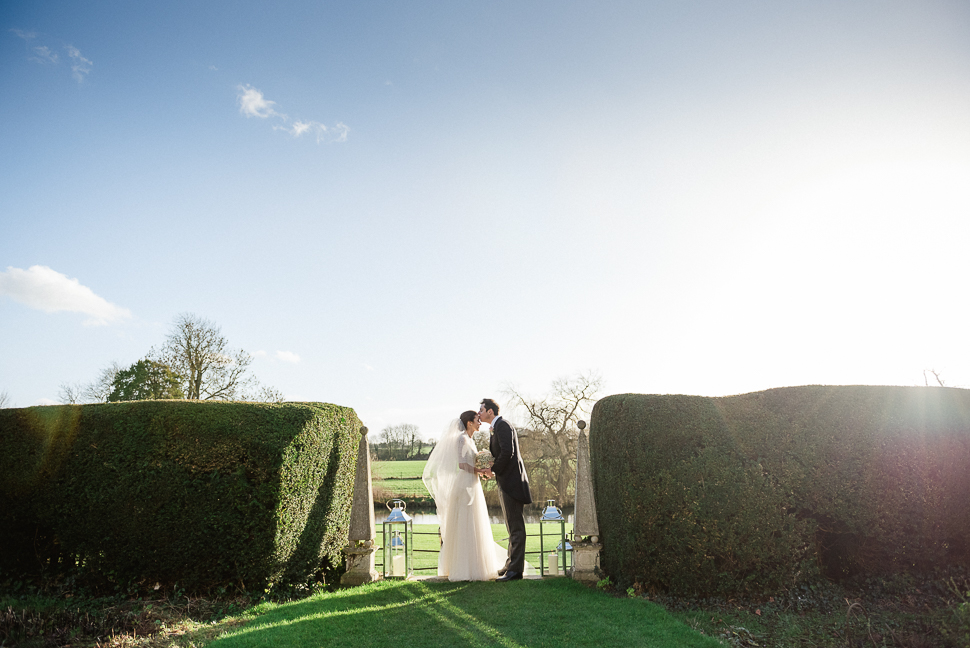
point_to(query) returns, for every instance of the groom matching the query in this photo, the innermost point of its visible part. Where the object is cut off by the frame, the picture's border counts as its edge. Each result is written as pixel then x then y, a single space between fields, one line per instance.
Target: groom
pixel 513 486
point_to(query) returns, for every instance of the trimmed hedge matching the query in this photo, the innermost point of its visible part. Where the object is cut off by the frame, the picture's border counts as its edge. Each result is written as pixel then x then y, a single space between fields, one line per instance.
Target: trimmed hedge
pixel 198 493
pixel 763 491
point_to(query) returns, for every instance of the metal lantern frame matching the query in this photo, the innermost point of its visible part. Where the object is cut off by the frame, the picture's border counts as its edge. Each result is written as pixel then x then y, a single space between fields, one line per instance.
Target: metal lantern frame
pixel 552 514
pixel 398 539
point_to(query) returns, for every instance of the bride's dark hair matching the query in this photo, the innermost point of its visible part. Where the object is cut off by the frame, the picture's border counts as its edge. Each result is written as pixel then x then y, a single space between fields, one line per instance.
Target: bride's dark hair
pixel 466 418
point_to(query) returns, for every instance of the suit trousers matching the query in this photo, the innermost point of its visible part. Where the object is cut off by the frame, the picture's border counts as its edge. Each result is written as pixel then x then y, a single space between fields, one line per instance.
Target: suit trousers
pixel 515 525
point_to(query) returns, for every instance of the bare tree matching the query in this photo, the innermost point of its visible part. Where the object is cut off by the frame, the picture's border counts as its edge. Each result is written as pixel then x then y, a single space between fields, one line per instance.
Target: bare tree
pixel 399 440
pixel 99 390
pixel 196 350
pixel 936 375
pixel 71 393
pixel 4 398
pixel 264 394
pixel 551 427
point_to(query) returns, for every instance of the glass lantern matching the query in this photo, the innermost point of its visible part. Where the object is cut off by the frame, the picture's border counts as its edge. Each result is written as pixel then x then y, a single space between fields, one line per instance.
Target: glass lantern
pixel 398 541
pixel 556 560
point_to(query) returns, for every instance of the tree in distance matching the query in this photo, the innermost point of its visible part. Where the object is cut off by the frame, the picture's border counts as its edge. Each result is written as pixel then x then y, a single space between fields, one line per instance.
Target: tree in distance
pixel 99 390
pixel 197 351
pixel 146 380
pixel 195 356
pixel 70 393
pixel 551 432
pixel 4 398
pixel 398 441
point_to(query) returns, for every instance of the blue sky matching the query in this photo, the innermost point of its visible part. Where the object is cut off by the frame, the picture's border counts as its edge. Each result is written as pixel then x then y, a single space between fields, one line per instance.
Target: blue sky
pixel 403 207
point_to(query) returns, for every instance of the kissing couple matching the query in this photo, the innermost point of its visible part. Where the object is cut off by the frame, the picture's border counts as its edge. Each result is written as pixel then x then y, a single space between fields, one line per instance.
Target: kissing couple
pixel 468 552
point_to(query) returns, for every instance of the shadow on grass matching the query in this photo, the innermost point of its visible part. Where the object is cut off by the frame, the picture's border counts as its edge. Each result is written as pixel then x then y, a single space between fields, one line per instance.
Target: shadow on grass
pixel 552 612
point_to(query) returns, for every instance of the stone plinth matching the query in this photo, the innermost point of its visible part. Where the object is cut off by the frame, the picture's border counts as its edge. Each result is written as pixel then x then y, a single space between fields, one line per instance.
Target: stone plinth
pixel 360 565
pixel 586 561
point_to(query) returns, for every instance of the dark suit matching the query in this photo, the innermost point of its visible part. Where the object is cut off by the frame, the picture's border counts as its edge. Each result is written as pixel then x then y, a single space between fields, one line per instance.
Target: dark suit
pixel 513 484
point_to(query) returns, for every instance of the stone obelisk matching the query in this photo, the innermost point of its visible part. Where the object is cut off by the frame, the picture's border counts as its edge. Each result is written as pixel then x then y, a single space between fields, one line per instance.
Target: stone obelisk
pixel 586 530
pixel 361 547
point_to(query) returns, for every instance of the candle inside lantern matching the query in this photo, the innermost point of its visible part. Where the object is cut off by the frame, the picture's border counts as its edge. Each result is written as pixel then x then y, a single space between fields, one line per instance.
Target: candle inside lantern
pixel 553 564
pixel 397 566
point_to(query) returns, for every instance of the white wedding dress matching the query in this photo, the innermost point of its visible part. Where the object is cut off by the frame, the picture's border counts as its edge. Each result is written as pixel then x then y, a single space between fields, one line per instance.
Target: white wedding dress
pixel 468 552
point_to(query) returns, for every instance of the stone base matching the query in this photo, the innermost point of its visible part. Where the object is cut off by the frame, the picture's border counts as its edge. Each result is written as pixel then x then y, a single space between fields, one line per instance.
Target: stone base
pixel 586 561
pixel 360 566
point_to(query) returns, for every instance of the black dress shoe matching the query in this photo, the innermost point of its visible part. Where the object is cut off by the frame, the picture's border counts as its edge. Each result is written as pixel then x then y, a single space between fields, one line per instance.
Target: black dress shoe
pixel 509 576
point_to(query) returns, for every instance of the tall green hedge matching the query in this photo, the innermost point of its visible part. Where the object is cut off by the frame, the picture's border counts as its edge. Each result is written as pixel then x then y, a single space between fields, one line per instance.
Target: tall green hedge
pixel 198 493
pixel 761 491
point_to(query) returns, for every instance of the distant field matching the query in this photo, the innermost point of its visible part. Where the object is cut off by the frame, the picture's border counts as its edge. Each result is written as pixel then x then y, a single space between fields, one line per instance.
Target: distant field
pixel 397 469
pixel 399 478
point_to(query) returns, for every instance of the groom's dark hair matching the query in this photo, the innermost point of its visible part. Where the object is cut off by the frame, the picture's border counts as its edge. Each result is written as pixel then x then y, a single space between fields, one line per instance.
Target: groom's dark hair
pixel 490 405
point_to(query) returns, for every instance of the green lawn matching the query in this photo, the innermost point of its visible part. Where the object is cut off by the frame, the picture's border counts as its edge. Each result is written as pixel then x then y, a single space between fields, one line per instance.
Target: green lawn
pixel 527 613
pixel 426 539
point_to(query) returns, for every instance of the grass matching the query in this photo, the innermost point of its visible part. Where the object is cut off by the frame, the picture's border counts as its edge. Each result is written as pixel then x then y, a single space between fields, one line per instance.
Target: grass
pixel 398 479
pixel 426 539
pixel 549 612
pixel 534 613
pixel 401 487
pixel 398 469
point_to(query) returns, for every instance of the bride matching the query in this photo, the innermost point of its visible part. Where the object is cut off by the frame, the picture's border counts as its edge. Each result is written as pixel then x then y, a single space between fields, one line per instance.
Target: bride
pixel 468 552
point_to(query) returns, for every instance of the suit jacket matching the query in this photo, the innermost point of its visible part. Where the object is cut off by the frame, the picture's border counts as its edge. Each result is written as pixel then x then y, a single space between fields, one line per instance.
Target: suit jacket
pixel 508 467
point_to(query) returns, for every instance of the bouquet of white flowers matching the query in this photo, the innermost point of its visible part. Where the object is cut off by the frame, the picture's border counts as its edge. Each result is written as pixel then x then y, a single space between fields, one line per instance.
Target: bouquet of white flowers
pixel 484 459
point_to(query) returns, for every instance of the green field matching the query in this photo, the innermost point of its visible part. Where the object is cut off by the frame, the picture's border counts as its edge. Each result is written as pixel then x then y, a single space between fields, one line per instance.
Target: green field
pixel 397 469
pixel 398 479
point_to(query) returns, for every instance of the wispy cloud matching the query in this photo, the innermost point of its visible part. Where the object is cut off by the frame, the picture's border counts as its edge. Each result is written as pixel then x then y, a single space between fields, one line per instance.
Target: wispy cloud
pixel 43 54
pixel 26 35
pixel 287 356
pixel 44 289
pixel 252 103
pixel 79 65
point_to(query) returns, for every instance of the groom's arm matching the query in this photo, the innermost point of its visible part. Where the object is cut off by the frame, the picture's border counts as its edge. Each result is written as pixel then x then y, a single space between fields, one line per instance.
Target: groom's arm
pixel 504 435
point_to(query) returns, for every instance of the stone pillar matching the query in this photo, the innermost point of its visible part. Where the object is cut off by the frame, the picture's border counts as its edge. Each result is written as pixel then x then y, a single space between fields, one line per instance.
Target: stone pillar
pixel 586 530
pixel 361 546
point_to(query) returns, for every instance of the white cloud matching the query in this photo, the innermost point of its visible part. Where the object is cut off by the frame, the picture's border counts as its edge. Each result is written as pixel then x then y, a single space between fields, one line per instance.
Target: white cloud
pixel 26 35
pixel 45 289
pixel 44 55
pixel 259 354
pixel 287 356
pixel 300 127
pixel 343 129
pixel 252 103
pixel 79 65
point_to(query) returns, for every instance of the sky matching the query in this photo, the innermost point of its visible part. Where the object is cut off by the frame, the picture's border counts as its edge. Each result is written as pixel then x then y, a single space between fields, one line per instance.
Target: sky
pixel 404 207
